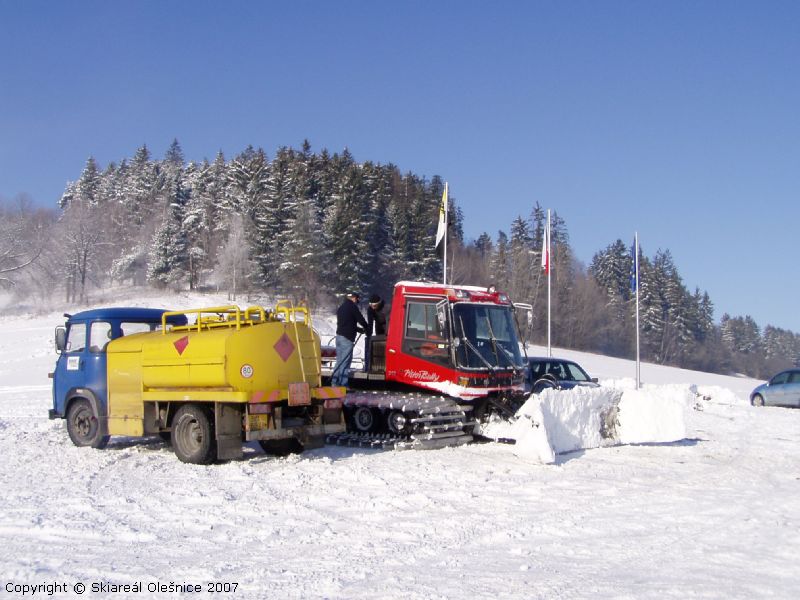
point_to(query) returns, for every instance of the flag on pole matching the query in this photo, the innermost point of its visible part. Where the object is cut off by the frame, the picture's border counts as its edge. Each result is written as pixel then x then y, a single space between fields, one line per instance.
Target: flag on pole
pixel 546 267
pixel 635 291
pixel 546 249
pixel 441 230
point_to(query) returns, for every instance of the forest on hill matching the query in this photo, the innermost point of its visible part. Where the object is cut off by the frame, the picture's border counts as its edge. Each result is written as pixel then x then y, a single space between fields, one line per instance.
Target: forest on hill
pixel 310 225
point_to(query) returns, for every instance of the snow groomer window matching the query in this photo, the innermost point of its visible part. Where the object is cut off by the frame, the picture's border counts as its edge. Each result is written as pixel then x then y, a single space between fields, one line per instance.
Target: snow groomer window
pixel 424 337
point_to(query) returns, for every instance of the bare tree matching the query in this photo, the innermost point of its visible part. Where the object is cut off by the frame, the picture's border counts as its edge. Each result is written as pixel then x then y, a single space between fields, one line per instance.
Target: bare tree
pixel 82 237
pixel 233 265
pixel 20 238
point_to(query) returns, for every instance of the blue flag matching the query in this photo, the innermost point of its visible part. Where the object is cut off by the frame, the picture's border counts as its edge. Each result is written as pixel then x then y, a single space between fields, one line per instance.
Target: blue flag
pixel 634 267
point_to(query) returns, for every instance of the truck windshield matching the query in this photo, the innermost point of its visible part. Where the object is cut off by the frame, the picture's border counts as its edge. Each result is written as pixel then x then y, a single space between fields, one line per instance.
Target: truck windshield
pixel 487 335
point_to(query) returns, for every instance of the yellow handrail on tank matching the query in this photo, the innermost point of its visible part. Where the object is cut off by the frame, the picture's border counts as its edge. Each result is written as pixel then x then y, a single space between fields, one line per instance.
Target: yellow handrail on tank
pixel 217 316
pixel 286 308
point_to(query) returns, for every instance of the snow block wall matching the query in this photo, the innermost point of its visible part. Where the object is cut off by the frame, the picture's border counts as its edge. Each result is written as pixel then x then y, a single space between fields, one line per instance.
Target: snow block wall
pixel 654 414
pixel 556 422
pixel 579 418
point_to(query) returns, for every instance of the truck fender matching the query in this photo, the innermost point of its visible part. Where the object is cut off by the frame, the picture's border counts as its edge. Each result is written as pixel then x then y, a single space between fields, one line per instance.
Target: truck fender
pixel 99 408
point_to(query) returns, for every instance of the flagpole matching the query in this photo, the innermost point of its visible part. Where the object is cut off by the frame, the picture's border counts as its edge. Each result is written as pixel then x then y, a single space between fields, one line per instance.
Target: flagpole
pixel 549 269
pixel 636 267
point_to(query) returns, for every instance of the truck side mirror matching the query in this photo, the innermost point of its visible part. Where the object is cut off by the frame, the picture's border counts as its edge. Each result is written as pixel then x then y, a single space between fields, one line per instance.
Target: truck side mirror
pixel 528 310
pixel 61 339
pixel 441 315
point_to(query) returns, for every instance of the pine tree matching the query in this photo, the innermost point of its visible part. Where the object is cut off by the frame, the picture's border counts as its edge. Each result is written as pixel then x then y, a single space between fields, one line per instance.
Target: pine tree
pixel 301 270
pixel 174 155
pixel 523 269
pixel 380 268
pixel 425 219
pixel 500 261
pixel 403 262
pixel 169 256
pixel 484 245
pixel 347 221
pixel 87 189
pixel 196 223
pixel 248 180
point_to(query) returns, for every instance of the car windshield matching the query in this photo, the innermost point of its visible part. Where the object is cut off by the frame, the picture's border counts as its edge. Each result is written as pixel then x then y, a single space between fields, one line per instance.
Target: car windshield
pixel 487 336
pixel 559 369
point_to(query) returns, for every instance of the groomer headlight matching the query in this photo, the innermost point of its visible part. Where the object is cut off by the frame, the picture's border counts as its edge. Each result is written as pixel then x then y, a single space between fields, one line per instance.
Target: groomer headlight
pixel 462 294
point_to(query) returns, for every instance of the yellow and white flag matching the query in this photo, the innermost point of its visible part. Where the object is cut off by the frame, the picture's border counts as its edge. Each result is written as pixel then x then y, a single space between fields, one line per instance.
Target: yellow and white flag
pixel 441 230
pixel 546 248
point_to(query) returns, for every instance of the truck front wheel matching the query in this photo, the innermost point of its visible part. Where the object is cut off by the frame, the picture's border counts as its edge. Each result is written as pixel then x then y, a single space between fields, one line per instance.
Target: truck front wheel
pixel 83 426
pixel 193 435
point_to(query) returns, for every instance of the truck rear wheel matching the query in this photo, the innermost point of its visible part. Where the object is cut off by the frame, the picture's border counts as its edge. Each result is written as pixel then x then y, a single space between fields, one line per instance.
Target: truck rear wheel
pixel 83 426
pixel 193 435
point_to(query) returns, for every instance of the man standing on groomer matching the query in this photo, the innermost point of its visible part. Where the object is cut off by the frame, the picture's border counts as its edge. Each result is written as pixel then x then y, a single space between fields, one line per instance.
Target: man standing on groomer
pixel 348 320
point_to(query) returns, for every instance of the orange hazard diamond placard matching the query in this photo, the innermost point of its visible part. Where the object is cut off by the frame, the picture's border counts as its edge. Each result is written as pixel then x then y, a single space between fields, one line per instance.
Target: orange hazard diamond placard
pixel 284 347
pixel 180 345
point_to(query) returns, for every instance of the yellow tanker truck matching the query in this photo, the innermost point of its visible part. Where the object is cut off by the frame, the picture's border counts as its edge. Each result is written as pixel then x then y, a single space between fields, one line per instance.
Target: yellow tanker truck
pixel 205 383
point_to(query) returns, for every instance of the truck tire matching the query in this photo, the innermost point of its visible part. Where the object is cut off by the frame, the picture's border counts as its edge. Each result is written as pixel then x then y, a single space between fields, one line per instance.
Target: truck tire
pixel 83 426
pixel 193 435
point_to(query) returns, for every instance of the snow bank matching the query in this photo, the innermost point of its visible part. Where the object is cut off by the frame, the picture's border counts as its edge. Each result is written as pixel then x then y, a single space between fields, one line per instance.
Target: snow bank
pixel 653 414
pixel 527 430
pixel 579 418
pixel 560 421
pixel 721 395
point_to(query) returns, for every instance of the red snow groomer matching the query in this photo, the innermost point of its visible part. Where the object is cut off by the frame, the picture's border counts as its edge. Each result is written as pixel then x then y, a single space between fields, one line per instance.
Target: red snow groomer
pixel 457 346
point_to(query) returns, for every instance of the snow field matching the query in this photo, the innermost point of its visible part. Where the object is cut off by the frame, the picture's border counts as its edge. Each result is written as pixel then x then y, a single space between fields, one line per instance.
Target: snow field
pixel 713 515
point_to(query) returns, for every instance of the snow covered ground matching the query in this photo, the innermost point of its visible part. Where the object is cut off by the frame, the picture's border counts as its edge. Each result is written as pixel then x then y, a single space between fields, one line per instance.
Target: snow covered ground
pixel 714 515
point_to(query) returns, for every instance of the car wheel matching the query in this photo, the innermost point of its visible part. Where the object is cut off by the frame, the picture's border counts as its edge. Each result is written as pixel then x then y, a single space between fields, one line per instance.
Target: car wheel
pixel 757 400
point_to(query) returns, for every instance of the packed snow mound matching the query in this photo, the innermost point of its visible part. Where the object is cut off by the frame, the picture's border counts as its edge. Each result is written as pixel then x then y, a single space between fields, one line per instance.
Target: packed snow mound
pixel 528 431
pixel 721 395
pixel 654 413
pixel 560 421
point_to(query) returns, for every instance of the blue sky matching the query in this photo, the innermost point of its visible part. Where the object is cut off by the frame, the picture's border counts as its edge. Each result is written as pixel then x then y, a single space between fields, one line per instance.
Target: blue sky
pixel 677 119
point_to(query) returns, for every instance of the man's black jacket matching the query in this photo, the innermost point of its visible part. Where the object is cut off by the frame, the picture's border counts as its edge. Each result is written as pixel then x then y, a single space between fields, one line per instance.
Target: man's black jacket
pixel 348 318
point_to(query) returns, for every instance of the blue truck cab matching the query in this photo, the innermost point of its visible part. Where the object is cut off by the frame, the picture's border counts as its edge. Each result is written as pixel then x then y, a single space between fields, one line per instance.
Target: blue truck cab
pixel 80 392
